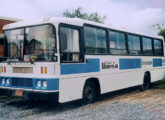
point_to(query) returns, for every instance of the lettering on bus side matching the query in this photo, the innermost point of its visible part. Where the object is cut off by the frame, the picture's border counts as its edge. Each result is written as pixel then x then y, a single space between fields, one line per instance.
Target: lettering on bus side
pixel 146 62
pixel 109 65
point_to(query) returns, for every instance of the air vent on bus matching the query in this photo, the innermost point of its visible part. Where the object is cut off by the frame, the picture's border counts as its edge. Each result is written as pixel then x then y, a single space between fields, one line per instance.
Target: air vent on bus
pixel 22 82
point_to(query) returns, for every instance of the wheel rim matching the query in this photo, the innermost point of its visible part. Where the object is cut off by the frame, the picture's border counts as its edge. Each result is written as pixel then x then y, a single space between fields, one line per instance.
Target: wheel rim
pixel 88 93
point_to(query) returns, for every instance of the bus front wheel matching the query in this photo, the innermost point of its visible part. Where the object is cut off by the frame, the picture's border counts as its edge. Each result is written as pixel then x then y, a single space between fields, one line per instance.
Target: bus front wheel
pixel 89 93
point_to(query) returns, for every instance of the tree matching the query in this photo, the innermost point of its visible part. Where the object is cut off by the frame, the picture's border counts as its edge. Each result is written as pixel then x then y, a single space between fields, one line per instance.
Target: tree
pixel 162 33
pixel 161 28
pixel 79 14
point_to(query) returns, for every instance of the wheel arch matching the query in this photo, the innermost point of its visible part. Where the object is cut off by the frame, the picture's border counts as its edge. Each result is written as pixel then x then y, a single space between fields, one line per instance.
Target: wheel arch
pixel 96 83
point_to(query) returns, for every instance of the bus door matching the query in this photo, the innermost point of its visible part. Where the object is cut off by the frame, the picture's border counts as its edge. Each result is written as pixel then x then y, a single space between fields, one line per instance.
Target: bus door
pixel 71 44
pixel 72 62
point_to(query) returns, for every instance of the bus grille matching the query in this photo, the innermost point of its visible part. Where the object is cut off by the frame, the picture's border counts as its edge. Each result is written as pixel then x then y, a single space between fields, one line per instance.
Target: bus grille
pixel 22 82
pixel 22 70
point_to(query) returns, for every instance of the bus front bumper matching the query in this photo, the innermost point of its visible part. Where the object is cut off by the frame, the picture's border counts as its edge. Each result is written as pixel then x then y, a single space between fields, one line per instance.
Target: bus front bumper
pixel 30 94
pixel 47 88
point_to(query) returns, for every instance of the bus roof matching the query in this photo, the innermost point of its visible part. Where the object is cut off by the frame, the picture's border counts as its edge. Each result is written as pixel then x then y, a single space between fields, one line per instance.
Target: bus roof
pixel 9 19
pixel 72 21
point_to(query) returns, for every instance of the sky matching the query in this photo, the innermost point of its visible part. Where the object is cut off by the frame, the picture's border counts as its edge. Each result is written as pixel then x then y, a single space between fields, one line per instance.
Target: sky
pixel 134 15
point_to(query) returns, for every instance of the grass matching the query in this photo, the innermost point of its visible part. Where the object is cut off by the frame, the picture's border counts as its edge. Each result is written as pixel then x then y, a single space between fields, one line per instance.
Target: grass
pixel 160 84
pixel 7 99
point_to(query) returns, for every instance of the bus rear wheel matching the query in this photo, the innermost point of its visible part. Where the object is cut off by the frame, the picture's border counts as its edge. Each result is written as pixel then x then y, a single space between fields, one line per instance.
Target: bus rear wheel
pixel 89 93
pixel 146 82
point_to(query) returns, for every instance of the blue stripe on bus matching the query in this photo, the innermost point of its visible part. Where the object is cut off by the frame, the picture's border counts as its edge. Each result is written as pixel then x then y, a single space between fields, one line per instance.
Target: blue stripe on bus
pixel 157 62
pixel 125 63
pixel 92 66
pixel 52 83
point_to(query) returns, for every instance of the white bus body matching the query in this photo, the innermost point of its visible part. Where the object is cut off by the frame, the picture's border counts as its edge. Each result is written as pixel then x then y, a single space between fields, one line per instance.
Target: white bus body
pixel 109 71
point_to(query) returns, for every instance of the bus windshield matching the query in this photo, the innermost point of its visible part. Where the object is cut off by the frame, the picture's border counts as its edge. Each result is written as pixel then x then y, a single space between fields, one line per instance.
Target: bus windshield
pixel 14 41
pixel 32 43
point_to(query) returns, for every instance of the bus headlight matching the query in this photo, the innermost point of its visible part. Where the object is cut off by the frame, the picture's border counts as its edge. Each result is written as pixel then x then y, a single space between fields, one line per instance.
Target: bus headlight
pixel 3 81
pixel 44 84
pixel 8 81
pixel 38 83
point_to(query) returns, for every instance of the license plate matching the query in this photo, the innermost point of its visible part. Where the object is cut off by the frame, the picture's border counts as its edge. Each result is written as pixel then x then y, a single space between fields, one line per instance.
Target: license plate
pixel 18 93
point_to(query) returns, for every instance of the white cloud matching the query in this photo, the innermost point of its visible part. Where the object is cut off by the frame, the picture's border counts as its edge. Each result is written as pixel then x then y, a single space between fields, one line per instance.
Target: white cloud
pixel 141 20
pixel 119 13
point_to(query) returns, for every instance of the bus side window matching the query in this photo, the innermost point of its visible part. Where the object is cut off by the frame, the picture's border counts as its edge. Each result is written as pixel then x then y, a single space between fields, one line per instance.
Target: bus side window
pixel 147 46
pixel 117 43
pixel 95 40
pixel 70 48
pixel 158 47
pixel 134 45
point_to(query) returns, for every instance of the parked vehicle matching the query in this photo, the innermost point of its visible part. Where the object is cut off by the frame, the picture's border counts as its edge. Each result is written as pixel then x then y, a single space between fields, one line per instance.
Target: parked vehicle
pixel 71 58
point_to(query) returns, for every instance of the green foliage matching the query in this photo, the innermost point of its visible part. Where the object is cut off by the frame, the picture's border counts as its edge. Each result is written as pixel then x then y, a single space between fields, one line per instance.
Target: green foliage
pixel 161 28
pixel 8 99
pixel 160 84
pixel 79 14
pixel 162 33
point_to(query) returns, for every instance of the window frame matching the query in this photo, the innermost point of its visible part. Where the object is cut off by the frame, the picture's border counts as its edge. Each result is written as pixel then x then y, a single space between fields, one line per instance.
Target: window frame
pixel 24 27
pixel 106 32
pixel 81 43
pixel 53 32
pixel 126 37
pixel 126 42
pixel 162 48
pixel 82 47
pixel 153 53
pixel 6 42
pixel 141 49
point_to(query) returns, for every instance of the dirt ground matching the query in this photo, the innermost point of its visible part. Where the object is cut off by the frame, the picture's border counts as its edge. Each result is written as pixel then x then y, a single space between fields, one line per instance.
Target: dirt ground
pixel 153 100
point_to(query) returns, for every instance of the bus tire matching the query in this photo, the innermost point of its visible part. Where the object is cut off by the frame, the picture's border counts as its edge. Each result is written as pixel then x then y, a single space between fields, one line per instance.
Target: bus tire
pixel 146 82
pixel 89 93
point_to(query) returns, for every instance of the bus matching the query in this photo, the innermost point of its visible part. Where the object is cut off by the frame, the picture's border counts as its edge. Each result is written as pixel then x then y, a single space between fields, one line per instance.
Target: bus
pixel 67 59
